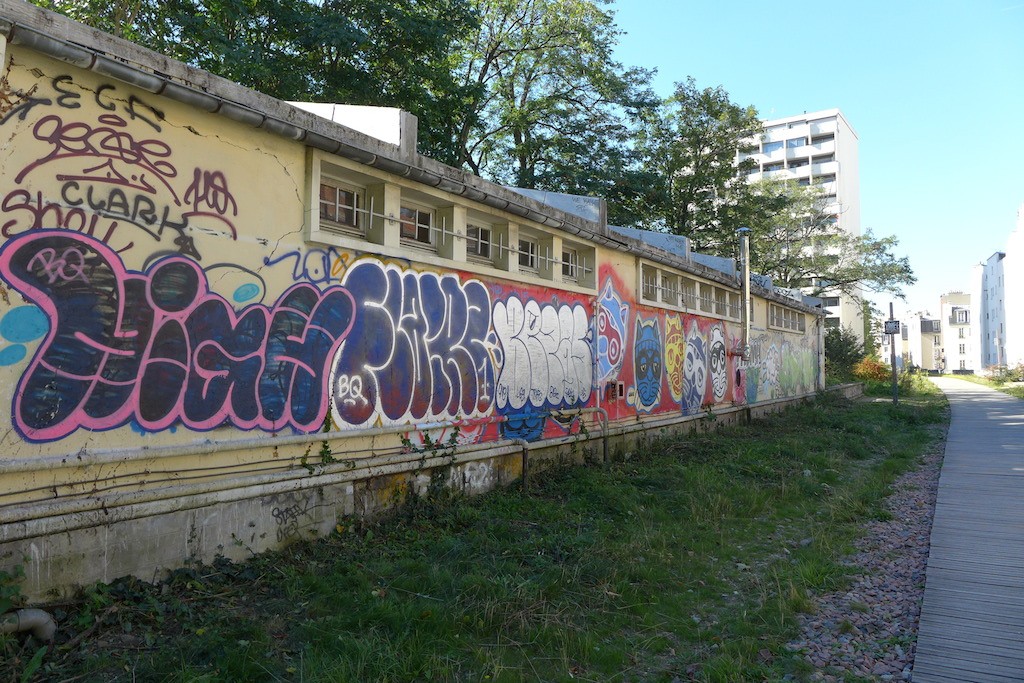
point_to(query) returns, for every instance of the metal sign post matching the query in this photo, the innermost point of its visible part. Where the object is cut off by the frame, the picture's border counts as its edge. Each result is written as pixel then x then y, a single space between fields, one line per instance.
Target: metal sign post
pixel 892 328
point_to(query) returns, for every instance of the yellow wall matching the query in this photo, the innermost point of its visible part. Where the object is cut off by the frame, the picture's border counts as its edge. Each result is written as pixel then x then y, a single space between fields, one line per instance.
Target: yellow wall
pixel 178 329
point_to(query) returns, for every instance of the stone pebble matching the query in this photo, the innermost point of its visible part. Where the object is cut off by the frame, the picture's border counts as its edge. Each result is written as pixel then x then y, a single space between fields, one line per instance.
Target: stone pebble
pixel 870 629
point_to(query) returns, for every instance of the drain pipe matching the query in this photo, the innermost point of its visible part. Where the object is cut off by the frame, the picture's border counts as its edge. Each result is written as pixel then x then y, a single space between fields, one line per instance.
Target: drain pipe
pixel 36 621
pixel 745 261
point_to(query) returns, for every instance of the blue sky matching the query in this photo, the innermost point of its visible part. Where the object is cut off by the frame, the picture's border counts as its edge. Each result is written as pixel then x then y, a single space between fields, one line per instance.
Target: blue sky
pixel 935 91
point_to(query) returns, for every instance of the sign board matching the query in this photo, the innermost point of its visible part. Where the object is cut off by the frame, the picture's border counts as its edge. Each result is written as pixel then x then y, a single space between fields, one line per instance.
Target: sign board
pixel 892 326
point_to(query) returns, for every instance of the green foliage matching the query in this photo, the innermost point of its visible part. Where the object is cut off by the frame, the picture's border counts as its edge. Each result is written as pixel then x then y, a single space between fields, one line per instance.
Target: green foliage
pixel 843 350
pixel 691 142
pixel 688 560
pixel 548 106
pixel 395 53
pixel 796 242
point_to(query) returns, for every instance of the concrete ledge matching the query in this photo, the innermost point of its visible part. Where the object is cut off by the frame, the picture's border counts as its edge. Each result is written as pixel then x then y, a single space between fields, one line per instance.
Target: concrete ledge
pixel 147 538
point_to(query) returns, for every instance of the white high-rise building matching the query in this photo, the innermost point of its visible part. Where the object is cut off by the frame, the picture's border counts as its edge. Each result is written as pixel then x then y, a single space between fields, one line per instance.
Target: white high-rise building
pixel 818 149
pixel 997 304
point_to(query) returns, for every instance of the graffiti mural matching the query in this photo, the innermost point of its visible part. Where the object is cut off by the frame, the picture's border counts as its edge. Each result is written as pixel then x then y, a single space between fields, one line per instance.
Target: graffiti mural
pixel 612 330
pixel 717 363
pixel 780 366
pixel 647 365
pixel 113 171
pixel 158 347
pixel 695 371
pixel 546 354
pixel 420 348
pixel 675 356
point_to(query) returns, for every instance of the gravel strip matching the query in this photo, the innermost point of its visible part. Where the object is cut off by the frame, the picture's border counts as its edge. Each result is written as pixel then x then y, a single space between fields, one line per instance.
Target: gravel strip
pixel 870 630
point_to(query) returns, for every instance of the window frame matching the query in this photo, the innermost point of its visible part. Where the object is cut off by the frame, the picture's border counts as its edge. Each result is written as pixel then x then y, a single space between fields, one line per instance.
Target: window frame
pixel 532 254
pixel 415 239
pixel 572 264
pixel 358 227
pixel 479 241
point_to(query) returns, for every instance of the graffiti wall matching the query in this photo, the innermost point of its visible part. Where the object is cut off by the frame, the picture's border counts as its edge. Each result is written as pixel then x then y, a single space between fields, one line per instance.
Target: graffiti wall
pixel 179 331
pixel 156 285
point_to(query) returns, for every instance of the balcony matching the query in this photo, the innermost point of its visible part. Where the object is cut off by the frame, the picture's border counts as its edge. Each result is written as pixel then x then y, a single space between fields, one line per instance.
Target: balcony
pixel 827 168
pixel 817 148
pixel 825 126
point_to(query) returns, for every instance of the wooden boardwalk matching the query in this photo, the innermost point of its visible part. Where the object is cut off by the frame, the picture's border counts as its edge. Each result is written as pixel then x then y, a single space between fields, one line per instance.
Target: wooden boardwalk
pixel 972 619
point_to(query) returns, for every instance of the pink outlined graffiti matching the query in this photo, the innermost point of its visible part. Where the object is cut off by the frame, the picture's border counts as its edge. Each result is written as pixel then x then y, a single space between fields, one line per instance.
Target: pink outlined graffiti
pixel 159 348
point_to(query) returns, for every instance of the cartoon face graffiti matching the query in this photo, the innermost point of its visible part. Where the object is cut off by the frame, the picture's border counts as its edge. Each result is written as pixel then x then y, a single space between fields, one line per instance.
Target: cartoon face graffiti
pixel 675 353
pixel 647 364
pixel 717 364
pixel 695 372
pixel 612 314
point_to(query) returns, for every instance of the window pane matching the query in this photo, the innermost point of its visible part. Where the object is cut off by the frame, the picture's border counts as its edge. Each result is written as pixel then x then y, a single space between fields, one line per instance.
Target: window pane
pixel 478 242
pixel 570 264
pixel 769 147
pixel 415 224
pixel 528 254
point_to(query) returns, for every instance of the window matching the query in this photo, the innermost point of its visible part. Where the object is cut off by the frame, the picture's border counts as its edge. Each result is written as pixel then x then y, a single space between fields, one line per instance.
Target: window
pixel 670 289
pixel 830 301
pixel 416 224
pixel 649 283
pixel 570 265
pixel 963 365
pixel 478 243
pixel 528 254
pixel 721 302
pixel 788 319
pixel 935 340
pixel 963 349
pixel 339 206
pixel 962 316
pixel 796 142
pixel 689 293
pixel 827 137
pixel 707 300
pixel 769 147
pixel 963 333
pixel 777 166
pixel 797 163
pixel 823 158
pixel 822 179
pixel 735 305
pixel 803 182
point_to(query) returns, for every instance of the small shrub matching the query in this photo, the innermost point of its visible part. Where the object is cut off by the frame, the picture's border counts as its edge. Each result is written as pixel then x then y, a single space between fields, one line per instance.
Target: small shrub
pixel 871 370
pixel 843 350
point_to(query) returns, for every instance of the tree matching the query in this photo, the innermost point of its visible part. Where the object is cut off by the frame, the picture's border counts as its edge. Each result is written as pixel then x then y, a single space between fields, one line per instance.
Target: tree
pixel 799 244
pixel 547 107
pixel 691 142
pixel 843 350
pixel 395 53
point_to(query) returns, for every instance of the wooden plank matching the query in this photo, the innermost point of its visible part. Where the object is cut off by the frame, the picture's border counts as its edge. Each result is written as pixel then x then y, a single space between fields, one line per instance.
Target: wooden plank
pixel 971 626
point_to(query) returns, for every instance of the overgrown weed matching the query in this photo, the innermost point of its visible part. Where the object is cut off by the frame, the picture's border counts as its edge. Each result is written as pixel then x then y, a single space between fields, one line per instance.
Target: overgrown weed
pixel 691 560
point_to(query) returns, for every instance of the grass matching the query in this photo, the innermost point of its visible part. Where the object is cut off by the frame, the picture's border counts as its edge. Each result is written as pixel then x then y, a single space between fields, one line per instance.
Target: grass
pixel 690 561
pixel 1000 384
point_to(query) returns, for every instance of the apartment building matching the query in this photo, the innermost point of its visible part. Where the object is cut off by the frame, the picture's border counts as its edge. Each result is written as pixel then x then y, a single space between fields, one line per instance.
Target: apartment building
pixel 958 350
pixel 820 149
pixel 995 305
